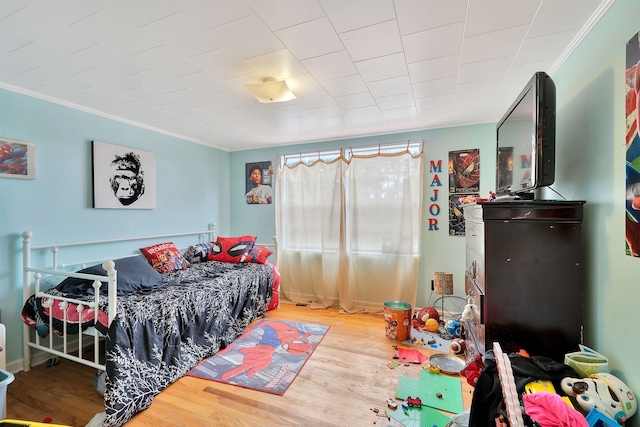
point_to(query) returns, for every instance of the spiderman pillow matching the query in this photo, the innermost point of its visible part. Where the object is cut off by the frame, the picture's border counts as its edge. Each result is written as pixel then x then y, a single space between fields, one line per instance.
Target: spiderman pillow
pixel 232 249
pixel 258 254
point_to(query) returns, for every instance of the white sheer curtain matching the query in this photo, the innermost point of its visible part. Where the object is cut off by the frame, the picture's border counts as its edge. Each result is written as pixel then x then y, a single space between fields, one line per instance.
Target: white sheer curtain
pixel 349 225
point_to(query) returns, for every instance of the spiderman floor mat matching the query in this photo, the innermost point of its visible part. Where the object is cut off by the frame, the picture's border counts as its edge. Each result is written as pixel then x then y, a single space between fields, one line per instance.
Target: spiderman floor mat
pixel 267 357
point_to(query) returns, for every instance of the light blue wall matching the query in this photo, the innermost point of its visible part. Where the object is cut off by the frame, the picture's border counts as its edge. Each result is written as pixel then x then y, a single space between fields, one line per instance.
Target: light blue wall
pixel 192 189
pixel 591 137
pixel 440 251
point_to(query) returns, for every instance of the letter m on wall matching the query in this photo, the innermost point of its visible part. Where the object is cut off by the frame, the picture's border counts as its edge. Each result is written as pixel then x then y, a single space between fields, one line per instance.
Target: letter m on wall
pixel 435 167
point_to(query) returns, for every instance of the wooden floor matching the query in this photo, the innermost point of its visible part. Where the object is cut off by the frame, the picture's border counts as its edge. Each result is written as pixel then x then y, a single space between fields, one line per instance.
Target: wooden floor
pixel 345 378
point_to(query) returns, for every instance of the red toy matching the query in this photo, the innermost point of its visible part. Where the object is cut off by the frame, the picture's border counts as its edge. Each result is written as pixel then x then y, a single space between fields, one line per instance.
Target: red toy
pixel 424 314
pixel 414 402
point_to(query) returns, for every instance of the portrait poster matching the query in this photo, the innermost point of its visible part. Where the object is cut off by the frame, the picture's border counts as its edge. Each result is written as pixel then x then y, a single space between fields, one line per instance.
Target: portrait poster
pixel 632 161
pixel 258 187
pixel 464 171
pixel 17 159
pixel 123 178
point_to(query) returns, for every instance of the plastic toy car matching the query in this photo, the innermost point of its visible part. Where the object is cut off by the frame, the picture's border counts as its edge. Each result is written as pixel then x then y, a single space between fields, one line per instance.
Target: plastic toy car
pixel 414 402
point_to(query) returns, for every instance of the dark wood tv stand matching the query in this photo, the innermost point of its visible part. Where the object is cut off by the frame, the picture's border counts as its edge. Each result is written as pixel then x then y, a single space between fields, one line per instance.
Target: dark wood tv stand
pixel 524 273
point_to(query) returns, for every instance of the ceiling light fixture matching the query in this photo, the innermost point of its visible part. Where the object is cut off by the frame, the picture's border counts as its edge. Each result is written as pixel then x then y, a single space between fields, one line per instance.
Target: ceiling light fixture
pixel 271 90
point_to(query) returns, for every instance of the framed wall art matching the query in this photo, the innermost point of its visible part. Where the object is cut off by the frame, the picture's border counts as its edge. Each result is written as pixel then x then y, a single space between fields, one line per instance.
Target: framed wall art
pixel 17 159
pixel 123 178
pixel 258 189
pixel 632 161
pixel 464 171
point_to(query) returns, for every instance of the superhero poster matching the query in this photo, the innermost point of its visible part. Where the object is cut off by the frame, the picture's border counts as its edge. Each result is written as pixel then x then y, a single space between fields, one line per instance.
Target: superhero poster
pixel 632 110
pixel 17 159
pixel 464 171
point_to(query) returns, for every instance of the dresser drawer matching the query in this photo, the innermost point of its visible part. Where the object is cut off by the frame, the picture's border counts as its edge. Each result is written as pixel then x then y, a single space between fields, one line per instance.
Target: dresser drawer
pixel 475 268
pixel 475 250
pixel 474 235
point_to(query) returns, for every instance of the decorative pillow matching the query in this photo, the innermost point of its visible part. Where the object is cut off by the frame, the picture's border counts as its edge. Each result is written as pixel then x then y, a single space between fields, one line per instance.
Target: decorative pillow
pixel 232 249
pixel 199 252
pixel 164 257
pixel 134 273
pixel 258 254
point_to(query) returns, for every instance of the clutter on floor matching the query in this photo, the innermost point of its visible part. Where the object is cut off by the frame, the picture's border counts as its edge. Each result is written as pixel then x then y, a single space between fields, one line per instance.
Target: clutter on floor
pixel 510 390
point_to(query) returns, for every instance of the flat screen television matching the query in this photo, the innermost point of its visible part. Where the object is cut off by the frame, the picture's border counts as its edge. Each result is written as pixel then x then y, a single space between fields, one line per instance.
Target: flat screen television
pixel 526 140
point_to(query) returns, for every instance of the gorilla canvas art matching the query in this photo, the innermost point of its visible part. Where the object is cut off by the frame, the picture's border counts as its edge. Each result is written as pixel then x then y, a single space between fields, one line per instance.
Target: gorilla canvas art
pixel 123 177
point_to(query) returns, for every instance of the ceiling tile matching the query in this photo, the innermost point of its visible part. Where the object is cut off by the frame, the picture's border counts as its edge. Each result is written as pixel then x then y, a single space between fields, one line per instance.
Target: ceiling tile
pixel 373 41
pixel 400 113
pixel 486 16
pixel 519 74
pixel 177 26
pixel 109 29
pixel 64 12
pixel 365 113
pixel 484 70
pixel 211 14
pixel 493 45
pixel 345 85
pixel 483 88
pixel 434 69
pixel 304 85
pixel 350 15
pixel 544 47
pixel 217 110
pixel 13 8
pixel 306 121
pixel 386 87
pixel 356 100
pixel 385 67
pixel 435 102
pixel 317 100
pixel 279 14
pixel 435 43
pixel 328 112
pixel 330 66
pixel 561 15
pixel 140 12
pixel 311 39
pixel 395 101
pixel 435 87
pixel 247 37
pixel 417 16
pixel 339 121
pixel 280 64
pixel 222 63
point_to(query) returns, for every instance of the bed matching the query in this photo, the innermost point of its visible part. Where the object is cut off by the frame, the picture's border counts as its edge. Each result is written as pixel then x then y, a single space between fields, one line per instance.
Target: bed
pixel 144 319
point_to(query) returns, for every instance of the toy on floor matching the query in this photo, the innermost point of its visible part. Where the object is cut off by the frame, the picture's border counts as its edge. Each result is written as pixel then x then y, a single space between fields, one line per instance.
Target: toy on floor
pixel 423 316
pixel 604 392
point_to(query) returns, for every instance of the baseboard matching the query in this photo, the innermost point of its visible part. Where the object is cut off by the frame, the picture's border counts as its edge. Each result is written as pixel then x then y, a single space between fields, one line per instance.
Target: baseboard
pixel 365 306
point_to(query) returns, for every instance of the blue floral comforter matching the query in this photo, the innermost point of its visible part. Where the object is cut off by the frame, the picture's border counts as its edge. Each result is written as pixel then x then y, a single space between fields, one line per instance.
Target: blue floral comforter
pixel 158 335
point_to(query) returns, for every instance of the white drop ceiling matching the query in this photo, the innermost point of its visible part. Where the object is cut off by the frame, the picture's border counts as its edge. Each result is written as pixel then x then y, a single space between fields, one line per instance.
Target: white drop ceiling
pixel 357 67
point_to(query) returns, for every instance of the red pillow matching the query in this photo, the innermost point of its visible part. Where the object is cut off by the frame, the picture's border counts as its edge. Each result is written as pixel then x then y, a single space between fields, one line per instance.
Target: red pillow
pixel 232 249
pixel 258 254
pixel 164 257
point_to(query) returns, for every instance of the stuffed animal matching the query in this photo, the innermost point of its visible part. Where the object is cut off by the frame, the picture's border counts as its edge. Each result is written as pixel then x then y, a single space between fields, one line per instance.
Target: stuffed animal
pixel 605 392
pixel 425 314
